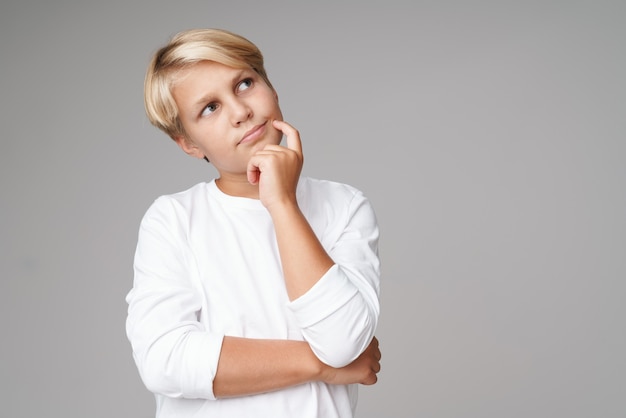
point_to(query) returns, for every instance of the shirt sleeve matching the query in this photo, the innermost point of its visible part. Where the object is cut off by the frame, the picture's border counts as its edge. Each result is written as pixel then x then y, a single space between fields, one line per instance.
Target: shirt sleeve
pixel 175 355
pixel 339 314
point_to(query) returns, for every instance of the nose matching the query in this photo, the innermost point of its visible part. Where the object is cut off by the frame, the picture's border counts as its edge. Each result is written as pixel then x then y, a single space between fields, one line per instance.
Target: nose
pixel 240 111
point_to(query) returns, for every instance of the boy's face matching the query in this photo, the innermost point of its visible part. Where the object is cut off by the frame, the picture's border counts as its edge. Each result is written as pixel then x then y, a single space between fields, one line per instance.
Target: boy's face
pixel 227 114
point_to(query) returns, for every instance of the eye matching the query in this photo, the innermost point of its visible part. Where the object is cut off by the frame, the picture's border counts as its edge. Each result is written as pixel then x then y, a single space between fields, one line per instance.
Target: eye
pixel 245 84
pixel 210 108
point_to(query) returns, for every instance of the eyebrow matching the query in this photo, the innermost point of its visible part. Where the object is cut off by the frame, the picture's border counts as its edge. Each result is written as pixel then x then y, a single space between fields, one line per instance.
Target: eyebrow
pixel 208 98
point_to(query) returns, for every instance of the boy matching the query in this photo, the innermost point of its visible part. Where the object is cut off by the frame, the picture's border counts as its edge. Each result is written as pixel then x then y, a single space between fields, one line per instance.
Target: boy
pixel 255 294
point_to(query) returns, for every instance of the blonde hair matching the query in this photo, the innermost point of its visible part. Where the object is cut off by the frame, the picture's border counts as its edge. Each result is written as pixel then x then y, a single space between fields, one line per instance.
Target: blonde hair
pixel 185 49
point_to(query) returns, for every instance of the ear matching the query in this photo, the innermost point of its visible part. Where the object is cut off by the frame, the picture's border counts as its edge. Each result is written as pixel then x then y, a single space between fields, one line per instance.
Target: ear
pixel 189 147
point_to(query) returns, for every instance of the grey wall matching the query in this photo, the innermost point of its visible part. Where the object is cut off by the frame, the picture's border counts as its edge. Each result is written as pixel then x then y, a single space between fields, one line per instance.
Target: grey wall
pixel 490 137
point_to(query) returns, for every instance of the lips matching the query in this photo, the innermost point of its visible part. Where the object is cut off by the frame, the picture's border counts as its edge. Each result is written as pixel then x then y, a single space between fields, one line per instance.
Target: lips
pixel 253 134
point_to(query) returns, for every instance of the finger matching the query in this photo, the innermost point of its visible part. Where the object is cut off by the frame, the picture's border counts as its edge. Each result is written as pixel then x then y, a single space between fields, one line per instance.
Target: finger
pixel 292 134
pixel 376 368
pixel 252 171
pixel 270 149
pixel 371 380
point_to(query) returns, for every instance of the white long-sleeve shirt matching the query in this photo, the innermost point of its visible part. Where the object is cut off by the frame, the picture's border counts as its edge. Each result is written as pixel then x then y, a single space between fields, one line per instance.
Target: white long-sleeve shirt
pixel 207 265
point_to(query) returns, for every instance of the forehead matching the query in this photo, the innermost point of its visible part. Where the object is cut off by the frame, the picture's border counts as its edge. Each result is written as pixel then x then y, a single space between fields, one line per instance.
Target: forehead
pixel 193 83
pixel 206 72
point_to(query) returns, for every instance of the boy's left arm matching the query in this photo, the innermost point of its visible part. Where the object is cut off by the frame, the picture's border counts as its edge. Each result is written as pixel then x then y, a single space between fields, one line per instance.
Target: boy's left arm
pixel 343 324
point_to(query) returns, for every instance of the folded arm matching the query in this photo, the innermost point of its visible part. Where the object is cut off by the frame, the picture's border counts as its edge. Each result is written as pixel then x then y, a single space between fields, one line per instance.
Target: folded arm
pixel 178 357
pixel 249 366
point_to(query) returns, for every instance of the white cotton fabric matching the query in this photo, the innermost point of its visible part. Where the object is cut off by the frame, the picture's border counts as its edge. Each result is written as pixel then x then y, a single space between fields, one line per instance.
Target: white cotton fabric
pixel 207 265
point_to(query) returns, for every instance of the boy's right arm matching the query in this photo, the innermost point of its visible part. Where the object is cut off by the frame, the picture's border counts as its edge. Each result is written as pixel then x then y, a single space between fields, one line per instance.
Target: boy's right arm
pixel 249 366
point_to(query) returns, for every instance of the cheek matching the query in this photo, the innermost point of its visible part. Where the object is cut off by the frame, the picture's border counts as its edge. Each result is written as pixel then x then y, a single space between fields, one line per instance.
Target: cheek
pixel 271 106
pixel 277 113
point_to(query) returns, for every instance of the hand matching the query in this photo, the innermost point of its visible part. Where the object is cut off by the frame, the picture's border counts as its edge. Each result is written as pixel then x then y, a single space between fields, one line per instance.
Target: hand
pixel 277 169
pixel 363 370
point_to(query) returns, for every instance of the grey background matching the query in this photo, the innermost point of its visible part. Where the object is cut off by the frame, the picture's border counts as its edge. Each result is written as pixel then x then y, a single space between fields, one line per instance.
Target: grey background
pixel 490 137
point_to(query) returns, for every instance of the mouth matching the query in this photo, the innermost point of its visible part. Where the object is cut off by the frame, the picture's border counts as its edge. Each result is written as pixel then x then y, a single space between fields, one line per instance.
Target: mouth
pixel 253 134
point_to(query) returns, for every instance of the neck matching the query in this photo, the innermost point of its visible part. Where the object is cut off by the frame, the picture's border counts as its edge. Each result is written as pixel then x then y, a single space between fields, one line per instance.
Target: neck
pixel 237 187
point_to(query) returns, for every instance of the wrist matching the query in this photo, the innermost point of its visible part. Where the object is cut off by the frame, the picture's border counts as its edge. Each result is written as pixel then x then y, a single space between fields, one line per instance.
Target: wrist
pixel 281 209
